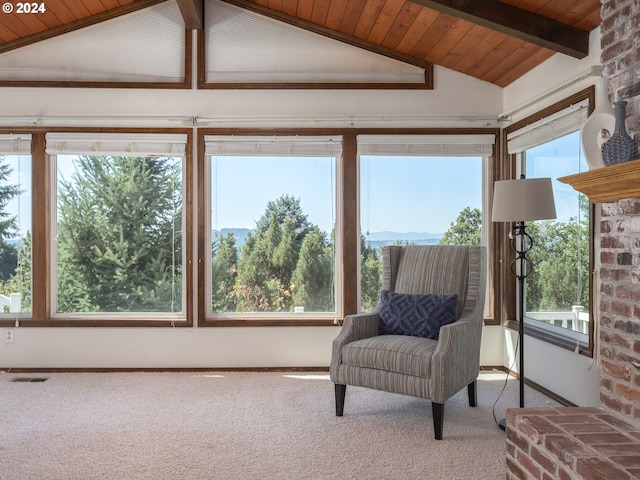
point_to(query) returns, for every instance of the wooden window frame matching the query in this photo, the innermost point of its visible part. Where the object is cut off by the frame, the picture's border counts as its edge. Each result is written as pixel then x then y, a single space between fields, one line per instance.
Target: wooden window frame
pixel 349 228
pixel 42 179
pixel 194 198
pixel 186 83
pixel 507 289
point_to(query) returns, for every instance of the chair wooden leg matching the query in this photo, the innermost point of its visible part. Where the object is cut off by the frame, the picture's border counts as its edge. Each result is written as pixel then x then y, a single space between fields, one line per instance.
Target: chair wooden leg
pixel 438 419
pixel 341 390
pixel 473 394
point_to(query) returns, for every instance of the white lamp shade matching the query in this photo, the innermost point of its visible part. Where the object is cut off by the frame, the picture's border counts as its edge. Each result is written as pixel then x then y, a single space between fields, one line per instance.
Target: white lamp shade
pixel 523 200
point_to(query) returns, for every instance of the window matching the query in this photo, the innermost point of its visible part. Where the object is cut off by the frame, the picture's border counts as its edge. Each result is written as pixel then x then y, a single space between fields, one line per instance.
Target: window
pixel 558 290
pixel 113 237
pixel 15 225
pixel 418 189
pixel 557 296
pixel 271 227
pixel 248 50
pixel 118 225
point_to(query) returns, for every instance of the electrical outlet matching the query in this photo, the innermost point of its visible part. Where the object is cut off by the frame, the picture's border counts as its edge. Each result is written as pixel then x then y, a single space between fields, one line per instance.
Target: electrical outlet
pixel 8 336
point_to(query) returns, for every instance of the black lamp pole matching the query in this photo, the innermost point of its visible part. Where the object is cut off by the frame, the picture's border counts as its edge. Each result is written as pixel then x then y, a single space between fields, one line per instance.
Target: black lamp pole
pixel 521 267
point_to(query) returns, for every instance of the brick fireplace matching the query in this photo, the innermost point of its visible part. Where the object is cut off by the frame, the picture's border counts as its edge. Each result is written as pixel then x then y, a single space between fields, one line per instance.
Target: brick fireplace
pixel 600 443
pixel 619 339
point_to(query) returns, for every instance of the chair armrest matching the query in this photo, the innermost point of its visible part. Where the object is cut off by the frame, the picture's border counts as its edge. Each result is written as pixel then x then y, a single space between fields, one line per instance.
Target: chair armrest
pixel 456 360
pixel 355 327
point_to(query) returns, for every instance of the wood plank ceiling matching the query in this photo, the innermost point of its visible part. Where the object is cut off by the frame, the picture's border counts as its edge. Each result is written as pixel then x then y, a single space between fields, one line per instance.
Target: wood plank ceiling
pixel 497 41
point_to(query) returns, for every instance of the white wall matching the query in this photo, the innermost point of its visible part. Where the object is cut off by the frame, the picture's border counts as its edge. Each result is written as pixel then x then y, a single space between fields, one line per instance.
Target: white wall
pixel 543 86
pixel 568 374
pixel 168 347
pixel 456 101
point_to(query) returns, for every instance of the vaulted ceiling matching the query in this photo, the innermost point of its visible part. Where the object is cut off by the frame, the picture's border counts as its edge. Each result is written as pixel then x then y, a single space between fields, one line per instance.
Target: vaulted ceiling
pixel 496 41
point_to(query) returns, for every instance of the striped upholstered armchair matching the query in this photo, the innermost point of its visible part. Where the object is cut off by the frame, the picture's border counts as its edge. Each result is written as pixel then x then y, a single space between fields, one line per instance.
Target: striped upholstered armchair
pixel 391 349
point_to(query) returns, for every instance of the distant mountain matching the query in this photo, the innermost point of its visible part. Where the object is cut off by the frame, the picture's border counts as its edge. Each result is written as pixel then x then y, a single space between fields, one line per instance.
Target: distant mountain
pixel 240 234
pixel 17 242
pixel 376 239
pixel 380 239
pixel 408 236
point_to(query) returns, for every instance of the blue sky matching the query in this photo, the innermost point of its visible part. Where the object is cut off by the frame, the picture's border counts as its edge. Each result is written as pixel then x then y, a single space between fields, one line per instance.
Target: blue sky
pixel 398 194
pixel 417 194
pixel 242 186
pixel 557 159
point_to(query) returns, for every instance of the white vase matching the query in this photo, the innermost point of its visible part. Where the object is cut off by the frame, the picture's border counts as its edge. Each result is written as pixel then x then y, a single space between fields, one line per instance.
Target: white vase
pixel 598 127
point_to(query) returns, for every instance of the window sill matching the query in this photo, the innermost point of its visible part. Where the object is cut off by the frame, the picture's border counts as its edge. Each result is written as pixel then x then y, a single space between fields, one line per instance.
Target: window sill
pixel 554 338
pixel 85 322
pixel 266 322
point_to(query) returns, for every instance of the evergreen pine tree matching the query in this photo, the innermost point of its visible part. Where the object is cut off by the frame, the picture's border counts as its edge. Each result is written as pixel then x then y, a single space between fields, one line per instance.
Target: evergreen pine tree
pixel 223 273
pixel 312 280
pixel 119 236
pixel 8 224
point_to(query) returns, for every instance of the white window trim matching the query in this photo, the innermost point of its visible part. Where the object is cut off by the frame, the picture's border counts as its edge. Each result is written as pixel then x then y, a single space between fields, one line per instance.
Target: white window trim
pixel 280 146
pixel 122 144
pixel 549 128
pixel 137 144
pixel 457 145
pixel 14 144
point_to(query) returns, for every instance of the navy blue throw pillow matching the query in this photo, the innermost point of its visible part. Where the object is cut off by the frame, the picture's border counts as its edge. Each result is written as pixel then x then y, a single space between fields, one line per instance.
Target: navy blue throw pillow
pixel 415 315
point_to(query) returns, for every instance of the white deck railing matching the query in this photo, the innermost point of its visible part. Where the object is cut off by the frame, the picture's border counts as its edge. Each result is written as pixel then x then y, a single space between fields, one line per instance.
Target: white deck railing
pixel 13 302
pixel 577 319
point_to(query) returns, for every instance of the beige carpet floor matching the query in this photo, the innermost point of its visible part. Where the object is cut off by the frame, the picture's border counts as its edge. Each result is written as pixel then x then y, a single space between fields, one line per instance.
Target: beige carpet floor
pixel 239 425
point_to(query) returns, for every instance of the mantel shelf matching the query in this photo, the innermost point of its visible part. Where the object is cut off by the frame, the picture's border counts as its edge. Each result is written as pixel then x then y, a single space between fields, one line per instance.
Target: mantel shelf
pixel 608 184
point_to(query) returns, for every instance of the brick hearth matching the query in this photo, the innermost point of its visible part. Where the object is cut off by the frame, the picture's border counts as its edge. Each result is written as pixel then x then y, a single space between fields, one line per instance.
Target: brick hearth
pixel 571 443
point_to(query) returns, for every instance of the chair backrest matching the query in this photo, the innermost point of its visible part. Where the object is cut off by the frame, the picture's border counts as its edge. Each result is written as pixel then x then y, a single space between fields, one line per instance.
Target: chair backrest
pixel 422 269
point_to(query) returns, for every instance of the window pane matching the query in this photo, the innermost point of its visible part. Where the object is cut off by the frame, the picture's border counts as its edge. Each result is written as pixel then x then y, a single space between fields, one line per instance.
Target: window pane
pixel 15 234
pixel 272 246
pixel 415 200
pixel 119 234
pixel 557 291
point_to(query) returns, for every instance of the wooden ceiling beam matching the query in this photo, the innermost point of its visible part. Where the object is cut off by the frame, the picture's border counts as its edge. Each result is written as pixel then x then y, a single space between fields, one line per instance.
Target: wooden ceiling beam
pixel 193 13
pixel 336 35
pixel 78 24
pixel 515 22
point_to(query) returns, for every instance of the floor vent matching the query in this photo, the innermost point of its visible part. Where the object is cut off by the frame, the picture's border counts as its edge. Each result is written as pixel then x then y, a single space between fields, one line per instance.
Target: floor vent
pixel 29 379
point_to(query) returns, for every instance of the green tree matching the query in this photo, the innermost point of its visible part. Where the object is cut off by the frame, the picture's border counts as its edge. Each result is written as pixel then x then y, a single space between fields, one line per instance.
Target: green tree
pixel 119 235
pixel 285 206
pixel 560 258
pixel 312 280
pixel 270 257
pixel 370 275
pixel 20 281
pixel 224 270
pixel 466 230
pixel 8 223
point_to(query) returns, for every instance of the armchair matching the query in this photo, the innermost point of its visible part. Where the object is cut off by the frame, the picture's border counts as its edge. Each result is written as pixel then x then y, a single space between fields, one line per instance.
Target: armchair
pixel 434 369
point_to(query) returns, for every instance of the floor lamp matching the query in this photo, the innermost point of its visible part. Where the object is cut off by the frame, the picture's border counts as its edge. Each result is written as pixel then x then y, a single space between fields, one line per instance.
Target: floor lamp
pixel 519 201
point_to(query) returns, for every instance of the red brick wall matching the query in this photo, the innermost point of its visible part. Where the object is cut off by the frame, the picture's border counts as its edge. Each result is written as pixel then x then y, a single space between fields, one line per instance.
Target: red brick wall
pixel 620 307
pixel 621 56
pixel 620 226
